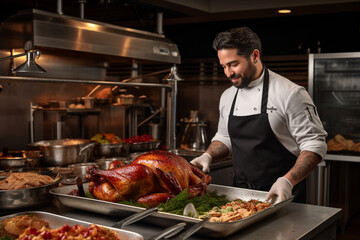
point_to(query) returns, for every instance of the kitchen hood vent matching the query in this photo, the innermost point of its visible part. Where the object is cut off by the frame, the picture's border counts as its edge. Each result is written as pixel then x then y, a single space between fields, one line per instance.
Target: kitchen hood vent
pixel 33 29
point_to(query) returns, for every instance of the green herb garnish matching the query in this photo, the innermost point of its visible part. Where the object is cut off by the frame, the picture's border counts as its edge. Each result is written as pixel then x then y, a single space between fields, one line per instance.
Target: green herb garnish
pixel 6 238
pixel 202 203
pixel 132 202
pixel 89 195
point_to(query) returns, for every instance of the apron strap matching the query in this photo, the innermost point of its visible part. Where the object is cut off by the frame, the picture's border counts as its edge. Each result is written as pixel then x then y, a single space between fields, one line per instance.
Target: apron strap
pixel 265 91
pixel 233 103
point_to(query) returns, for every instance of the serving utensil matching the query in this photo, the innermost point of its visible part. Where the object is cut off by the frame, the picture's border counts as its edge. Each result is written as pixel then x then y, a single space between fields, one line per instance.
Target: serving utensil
pixel 168 232
pixel 135 217
pixel 80 186
pixel 190 210
pixel 196 227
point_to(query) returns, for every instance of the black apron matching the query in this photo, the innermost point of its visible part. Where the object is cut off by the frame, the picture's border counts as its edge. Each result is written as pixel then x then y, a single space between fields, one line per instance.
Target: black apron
pixel 259 158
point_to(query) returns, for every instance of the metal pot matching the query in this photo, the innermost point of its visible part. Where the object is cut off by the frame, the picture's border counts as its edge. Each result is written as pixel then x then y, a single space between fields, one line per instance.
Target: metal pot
pixel 187 154
pixel 65 151
pixel 112 150
pixel 144 146
pixel 79 169
pixel 20 159
pixel 26 197
pixel 104 163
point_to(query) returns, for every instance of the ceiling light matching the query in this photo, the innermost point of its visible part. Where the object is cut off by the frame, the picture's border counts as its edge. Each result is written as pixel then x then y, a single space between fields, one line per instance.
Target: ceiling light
pixel 30 65
pixel 284 11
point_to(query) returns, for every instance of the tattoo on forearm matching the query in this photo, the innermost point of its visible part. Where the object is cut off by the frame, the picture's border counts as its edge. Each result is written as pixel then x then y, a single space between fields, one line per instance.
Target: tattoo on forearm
pixel 305 163
pixel 218 150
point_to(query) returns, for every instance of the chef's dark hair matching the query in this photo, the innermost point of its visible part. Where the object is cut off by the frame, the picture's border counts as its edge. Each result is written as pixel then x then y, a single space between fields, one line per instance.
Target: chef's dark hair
pixel 243 39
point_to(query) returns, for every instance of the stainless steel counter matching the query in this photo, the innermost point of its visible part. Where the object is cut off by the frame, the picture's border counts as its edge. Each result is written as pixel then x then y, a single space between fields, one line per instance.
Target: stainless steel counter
pixel 294 221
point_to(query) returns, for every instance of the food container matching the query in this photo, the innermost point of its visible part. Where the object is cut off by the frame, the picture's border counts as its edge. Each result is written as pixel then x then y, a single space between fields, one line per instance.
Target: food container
pixel 128 99
pixel 27 197
pixel 144 146
pixel 20 159
pixel 65 151
pixel 187 154
pixel 45 171
pixel 104 163
pixel 79 169
pixel 108 150
pixel 89 102
pixel 134 155
pixel 56 221
pixel 124 100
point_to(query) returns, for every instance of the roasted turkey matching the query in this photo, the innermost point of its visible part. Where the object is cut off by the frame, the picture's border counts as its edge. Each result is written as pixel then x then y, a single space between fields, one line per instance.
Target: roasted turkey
pixel 151 178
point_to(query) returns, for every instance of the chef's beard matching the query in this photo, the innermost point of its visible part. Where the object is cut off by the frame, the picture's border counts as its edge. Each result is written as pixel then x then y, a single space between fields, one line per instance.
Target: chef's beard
pixel 246 78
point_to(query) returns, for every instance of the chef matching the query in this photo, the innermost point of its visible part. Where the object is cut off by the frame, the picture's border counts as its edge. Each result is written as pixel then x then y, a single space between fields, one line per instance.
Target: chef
pixel 268 123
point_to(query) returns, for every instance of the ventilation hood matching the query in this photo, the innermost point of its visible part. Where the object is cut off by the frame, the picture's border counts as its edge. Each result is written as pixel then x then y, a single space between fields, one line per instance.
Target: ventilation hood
pixel 34 29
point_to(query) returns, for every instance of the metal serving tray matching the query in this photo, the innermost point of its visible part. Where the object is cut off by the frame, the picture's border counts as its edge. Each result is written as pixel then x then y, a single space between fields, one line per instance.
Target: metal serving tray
pixel 56 221
pixel 213 229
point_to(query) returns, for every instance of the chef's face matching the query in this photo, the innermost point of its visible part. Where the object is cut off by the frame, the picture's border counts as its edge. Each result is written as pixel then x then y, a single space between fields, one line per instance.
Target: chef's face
pixel 238 69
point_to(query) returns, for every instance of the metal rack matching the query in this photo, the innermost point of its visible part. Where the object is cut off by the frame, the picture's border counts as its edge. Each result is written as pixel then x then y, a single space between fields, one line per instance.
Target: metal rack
pixel 171 95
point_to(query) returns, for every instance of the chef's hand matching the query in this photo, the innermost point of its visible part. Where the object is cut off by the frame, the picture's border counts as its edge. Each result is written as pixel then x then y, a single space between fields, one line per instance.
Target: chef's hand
pixel 282 188
pixel 203 162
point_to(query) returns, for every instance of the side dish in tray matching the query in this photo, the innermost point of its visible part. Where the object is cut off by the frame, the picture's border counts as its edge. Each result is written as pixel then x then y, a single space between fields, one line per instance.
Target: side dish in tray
pixel 27 227
pixel 78 232
pixel 22 180
pixel 235 210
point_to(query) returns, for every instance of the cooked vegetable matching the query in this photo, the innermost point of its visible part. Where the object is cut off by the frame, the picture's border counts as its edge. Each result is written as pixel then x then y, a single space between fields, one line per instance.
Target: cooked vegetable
pixel 106 138
pixel 139 138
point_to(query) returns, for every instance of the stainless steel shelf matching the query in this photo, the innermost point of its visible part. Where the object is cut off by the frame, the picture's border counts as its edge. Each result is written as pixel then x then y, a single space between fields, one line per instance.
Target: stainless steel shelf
pixel 79 81
pixel 343 158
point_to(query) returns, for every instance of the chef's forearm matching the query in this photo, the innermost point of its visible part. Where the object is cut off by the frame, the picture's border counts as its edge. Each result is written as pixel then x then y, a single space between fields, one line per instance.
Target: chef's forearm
pixel 217 150
pixel 305 163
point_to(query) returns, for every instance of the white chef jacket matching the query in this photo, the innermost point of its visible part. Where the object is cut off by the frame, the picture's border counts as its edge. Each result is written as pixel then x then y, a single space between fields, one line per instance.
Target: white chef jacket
pixel 292 114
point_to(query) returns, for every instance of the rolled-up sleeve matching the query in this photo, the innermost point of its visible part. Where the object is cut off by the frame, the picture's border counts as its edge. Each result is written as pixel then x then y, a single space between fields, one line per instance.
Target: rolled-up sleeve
pixel 304 123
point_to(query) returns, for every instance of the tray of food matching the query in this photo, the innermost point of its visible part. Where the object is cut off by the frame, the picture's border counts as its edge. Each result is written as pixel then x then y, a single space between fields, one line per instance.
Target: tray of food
pixel 214 228
pixel 36 224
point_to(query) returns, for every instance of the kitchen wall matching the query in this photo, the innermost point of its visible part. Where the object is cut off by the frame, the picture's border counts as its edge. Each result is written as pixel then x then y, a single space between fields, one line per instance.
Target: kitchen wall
pixel 15 97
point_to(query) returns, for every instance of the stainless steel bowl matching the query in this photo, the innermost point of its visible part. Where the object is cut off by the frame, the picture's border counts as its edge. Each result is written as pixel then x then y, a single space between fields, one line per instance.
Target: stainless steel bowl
pixel 108 150
pixel 144 146
pixel 65 151
pixel 187 154
pixel 104 163
pixel 20 159
pixel 134 155
pixel 26 197
pixel 79 169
